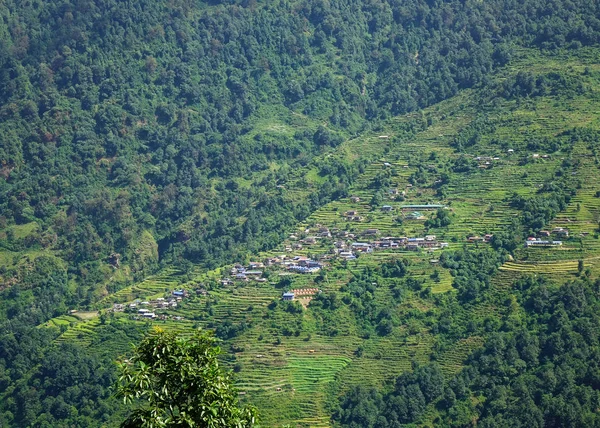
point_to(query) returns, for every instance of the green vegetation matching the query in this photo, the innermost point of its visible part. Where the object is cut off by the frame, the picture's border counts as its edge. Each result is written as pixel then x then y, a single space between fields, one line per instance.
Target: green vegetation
pixel 182 383
pixel 147 148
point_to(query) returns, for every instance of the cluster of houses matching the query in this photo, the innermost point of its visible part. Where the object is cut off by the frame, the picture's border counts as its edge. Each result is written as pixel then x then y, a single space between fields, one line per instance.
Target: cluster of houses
pixel 544 238
pixel 537 242
pixel 557 231
pixel 146 309
pixel 349 252
pixel 297 264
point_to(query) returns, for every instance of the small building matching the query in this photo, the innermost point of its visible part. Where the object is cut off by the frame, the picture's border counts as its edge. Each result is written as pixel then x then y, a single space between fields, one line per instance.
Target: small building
pixel 288 296
pixel 371 232
pixel 560 231
pixel 339 244
pixel 387 208
pixel 355 199
pixel 415 215
pixel 253 273
pixel 544 233
pixel 363 247
pixel 542 243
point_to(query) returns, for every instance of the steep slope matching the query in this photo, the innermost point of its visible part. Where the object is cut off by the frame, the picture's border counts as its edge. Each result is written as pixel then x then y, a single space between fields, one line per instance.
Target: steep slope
pixel 149 133
pixel 508 160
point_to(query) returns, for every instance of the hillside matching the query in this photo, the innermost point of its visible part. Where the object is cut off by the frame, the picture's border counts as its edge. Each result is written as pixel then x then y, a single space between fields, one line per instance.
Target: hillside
pixel 158 160
pixel 488 156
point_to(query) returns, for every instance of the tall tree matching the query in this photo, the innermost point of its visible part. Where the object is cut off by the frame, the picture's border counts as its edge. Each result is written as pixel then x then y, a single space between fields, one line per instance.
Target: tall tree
pixel 182 384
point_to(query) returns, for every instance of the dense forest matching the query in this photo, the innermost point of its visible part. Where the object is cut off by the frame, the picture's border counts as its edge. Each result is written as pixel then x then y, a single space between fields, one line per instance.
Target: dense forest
pixel 532 372
pixel 126 127
pixel 133 137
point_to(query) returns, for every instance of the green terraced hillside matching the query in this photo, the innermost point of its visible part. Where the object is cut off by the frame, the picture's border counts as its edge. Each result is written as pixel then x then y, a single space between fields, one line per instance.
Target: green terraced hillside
pixel 473 154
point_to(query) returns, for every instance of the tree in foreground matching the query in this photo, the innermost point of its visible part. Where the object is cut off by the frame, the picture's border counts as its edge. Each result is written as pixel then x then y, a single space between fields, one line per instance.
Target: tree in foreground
pixel 177 382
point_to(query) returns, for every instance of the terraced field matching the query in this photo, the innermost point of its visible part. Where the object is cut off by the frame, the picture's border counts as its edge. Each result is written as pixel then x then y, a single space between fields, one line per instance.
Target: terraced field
pixel 294 366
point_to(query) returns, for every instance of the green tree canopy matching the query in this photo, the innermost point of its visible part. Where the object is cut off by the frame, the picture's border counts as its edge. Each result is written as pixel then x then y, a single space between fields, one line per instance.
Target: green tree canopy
pixel 177 382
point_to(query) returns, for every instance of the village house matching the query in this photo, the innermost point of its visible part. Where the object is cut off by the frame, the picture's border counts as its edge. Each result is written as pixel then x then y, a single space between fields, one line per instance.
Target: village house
pixel 371 232
pixel 253 273
pixel 393 192
pixel 324 232
pixel 415 215
pixel 272 261
pixel 354 199
pixel 560 231
pixel 387 208
pixel 541 243
pixel 362 247
pixel 348 255
pixel 339 244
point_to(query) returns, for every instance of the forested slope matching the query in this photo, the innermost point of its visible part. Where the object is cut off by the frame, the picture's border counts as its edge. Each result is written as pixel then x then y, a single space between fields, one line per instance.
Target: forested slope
pixel 183 135
pixel 122 118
